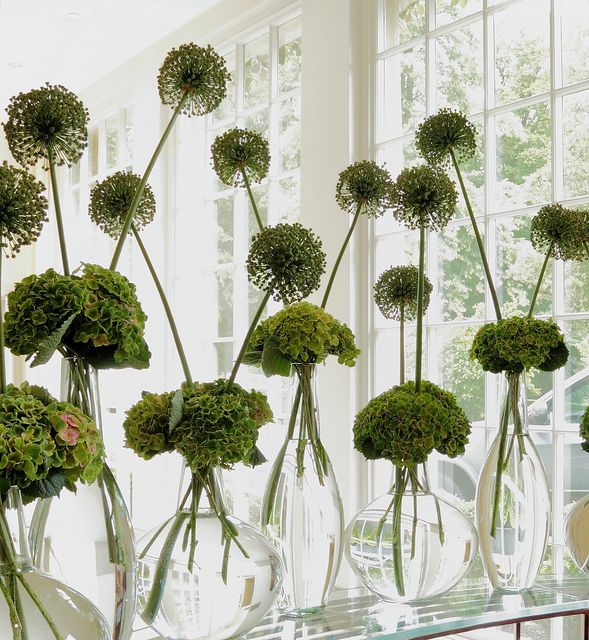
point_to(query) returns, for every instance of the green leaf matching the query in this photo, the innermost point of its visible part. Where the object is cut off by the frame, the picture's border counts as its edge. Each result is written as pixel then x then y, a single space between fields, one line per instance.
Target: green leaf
pixel 255 457
pixel 50 487
pixel 585 446
pixel 176 410
pixel 273 361
pixel 252 357
pixel 4 486
pixel 49 346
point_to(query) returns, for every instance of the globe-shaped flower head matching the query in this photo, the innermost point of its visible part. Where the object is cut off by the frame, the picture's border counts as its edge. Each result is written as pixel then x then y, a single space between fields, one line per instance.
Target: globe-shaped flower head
pixel 364 187
pixel 562 232
pixel 50 123
pixel 395 292
pixel 22 208
pixel 110 201
pixel 194 76
pixel 239 154
pixel 444 133
pixel 424 196
pixel 287 261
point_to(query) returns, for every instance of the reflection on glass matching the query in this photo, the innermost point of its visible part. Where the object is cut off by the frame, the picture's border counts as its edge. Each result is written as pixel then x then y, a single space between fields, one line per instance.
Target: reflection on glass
pixel 290 55
pixel 575 109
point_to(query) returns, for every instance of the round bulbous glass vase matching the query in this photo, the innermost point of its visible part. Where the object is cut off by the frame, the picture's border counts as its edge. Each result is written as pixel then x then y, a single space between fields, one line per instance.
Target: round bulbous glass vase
pixel 100 560
pixel 512 501
pixel 576 533
pixel 409 544
pixel 44 606
pixel 201 603
pixel 302 513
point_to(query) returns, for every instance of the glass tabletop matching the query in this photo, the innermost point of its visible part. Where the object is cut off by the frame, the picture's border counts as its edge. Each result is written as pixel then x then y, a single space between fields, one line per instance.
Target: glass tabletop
pixel 356 614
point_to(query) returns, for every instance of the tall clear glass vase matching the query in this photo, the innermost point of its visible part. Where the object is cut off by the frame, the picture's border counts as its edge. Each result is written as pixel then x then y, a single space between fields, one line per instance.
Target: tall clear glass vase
pixel 512 502
pixel 302 512
pixel 99 560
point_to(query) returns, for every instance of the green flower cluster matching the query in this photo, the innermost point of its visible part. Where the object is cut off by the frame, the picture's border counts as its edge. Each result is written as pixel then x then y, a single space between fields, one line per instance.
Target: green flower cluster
pixel 106 320
pixel 395 292
pixel 364 185
pixel 424 196
pixel 49 123
pixel 196 76
pixel 111 199
pixel 404 425
pixel 304 332
pixel 23 208
pixel 515 344
pixel 217 426
pixel 287 261
pixel 562 232
pixel 45 445
pixel 444 133
pixel 237 152
pixel 584 430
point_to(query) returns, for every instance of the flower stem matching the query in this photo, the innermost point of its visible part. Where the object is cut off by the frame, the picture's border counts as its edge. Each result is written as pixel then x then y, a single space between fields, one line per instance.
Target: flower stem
pixel 397 542
pixel 540 280
pixel 2 357
pixel 15 620
pixel 252 200
pixel 40 606
pixel 402 346
pixel 58 216
pixel 246 340
pixel 165 304
pixel 340 256
pixel 477 236
pixel 420 287
pixel 141 187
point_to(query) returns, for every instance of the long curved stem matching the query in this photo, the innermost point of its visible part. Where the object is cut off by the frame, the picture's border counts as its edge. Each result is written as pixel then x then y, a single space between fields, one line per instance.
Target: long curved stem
pixel 58 216
pixel 137 197
pixel 2 358
pixel 252 200
pixel 340 256
pixel 477 236
pixel 540 280
pixel 419 331
pixel 246 340
pixel 165 304
pixel 402 346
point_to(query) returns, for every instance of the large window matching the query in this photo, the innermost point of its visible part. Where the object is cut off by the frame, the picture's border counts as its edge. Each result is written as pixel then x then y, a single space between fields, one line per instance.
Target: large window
pixel 519 69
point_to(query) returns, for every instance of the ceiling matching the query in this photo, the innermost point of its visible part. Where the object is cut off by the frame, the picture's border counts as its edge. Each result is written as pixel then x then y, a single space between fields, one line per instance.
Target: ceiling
pixel 75 42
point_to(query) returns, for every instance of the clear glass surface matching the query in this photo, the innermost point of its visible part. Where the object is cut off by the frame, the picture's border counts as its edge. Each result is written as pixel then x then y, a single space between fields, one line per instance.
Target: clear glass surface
pixel 513 503
pixel 99 561
pixel 198 604
pixel 409 546
pixel 576 533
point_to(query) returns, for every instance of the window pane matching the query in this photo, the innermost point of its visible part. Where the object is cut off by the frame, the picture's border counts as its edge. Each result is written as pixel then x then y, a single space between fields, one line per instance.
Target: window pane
pixel 459 61
pixel 258 121
pixel 287 206
pixel 576 390
pixel 396 249
pixel 575 40
pixel 403 20
pixel 112 142
pixel 224 279
pixel 523 139
pixel 224 358
pixel 290 56
pixel 290 133
pixel 224 212
pixel 522 50
pixel 129 125
pixel 473 174
pixel 256 72
pixel 449 10
pixel 576 287
pixel 576 144
pixel 226 110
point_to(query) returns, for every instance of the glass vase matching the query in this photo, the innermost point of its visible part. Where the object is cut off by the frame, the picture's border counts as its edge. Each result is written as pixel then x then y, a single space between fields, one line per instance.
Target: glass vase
pixel 576 533
pixel 409 544
pixel 100 560
pixel 209 588
pixel 302 512
pixel 512 501
pixel 33 605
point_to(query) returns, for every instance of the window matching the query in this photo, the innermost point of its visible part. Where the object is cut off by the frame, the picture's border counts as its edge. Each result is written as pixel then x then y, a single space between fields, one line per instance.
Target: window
pixel 509 65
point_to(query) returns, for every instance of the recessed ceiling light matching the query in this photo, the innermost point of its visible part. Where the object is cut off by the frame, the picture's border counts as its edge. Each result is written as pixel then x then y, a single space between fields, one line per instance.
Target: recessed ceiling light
pixel 15 64
pixel 74 16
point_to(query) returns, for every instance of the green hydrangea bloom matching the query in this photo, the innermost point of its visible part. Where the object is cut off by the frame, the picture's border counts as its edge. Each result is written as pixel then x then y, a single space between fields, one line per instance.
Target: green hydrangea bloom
pixel 405 426
pixel 396 290
pixel 147 425
pixel 515 344
pixel 444 132
pixel 366 185
pixel 240 151
pixel 304 332
pixel 584 429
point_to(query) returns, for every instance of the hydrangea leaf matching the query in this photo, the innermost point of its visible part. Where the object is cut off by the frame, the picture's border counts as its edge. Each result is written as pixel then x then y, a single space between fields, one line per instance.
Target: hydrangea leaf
pixel 176 407
pixel 273 362
pixel 49 346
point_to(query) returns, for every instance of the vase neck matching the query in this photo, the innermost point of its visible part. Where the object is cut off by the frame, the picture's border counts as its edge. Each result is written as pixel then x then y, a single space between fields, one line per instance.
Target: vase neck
pixel 79 386
pixel 304 417
pixel 513 408
pixel 14 543
pixel 410 480
pixel 210 495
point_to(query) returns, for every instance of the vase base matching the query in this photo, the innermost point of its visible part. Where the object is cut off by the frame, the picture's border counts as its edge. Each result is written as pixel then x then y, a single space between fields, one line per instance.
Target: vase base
pixel 288 612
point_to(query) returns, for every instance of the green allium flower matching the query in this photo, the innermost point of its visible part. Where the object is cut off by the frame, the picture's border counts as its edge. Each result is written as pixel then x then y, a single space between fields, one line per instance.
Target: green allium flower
pixel 110 201
pixel 147 425
pixel 425 196
pixel 199 73
pixel 366 185
pixel 23 208
pixel 405 426
pixel 396 290
pixel 287 261
pixel 45 443
pixel 561 231
pixel 515 344
pixel 446 131
pixel 304 332
pixel 47 123
pixel 240 151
